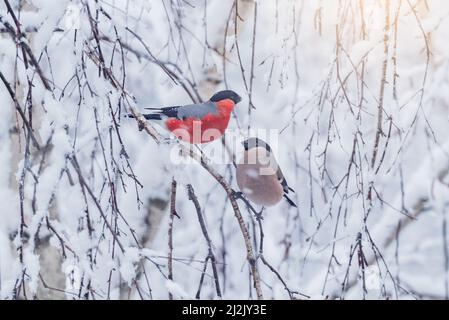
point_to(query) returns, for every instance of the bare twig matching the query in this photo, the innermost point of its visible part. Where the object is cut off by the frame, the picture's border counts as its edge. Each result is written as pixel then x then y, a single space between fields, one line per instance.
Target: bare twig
pixel 170 232
pixel 210 255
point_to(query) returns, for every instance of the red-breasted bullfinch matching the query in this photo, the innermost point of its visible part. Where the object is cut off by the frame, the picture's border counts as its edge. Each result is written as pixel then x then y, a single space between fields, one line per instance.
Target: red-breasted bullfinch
pixel 201 122
pixel 259 176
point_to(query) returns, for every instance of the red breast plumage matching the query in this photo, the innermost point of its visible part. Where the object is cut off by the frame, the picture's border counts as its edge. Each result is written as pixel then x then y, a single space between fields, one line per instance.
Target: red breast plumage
pixel 206 129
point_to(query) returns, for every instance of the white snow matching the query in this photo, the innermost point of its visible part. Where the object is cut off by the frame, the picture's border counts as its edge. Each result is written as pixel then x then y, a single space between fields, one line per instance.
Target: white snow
pixel 114 231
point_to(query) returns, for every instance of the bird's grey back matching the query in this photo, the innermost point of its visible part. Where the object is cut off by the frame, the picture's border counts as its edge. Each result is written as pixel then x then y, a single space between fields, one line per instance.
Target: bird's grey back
pixel 197 110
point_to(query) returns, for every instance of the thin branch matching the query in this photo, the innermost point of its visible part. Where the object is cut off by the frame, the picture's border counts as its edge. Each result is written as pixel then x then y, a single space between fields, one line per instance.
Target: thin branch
pixel 211 254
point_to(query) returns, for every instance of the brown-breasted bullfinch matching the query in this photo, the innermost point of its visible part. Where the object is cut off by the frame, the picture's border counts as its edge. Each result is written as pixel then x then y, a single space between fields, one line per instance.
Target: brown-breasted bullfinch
pixel 259 176
pixel 201 122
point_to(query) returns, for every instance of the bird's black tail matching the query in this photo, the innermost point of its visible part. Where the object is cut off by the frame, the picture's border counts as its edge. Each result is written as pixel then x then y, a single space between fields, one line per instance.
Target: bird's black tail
pixel 290 201
pixel 148 116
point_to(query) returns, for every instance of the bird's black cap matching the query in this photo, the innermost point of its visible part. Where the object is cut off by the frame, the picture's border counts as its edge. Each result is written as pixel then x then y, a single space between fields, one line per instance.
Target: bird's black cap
pixel 255 143
pixel 226 94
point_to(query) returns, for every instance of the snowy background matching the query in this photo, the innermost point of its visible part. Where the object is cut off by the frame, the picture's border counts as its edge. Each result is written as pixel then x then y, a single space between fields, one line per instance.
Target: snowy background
pixel 357 90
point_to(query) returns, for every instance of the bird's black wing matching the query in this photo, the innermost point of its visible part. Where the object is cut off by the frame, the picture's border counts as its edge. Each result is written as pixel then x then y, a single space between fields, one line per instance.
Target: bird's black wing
pixel 284 183
pixel 290 201
pixel 285 186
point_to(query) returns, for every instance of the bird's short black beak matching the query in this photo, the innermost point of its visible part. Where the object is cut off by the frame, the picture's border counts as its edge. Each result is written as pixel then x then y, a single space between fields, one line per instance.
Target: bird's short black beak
pixel 238 99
